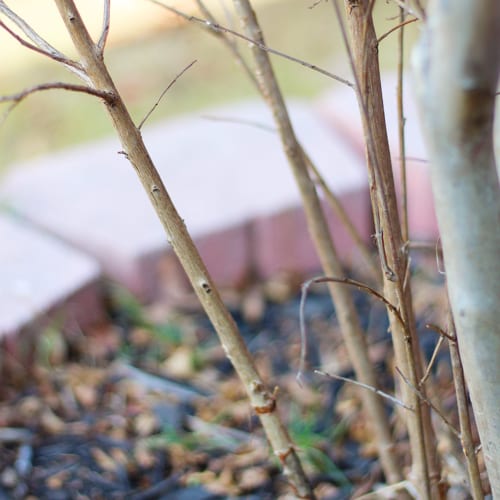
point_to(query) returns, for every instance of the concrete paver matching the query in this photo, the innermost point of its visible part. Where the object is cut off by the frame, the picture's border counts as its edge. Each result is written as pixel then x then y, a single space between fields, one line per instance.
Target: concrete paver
pixel 220 174
pixel 44 280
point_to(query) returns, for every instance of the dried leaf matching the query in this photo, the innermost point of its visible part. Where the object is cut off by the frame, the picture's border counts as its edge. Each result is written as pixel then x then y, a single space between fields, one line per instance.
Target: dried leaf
pixel 253 477
pixel 51 423
pixel 104 461
pixel 145 424
pixel 180 363
pixel 86 395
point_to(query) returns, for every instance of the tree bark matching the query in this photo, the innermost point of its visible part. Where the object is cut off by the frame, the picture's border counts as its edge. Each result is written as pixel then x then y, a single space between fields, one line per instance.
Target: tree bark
pixel 391 247
pixel 457 63
pixel 262 400
pixel 352 332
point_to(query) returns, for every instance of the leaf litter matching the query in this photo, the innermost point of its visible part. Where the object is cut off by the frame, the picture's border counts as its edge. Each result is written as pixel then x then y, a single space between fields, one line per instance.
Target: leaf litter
pixel 148 407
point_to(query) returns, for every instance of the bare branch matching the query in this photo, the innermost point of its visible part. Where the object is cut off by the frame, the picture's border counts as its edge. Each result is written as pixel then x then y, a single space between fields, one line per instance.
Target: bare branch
pixel 418 12
pixel 441 332
pixel 29 31
pixel 401 131
pixel 105 27
pixel 361 286
pixel 427 401
pixel 370 144
pixel 397 27
pixel 314 5
pixel 432 361
pixel 302 323
pixel 15 99
pixel 368 387
pixel 335 203
pixel 230 43
pixel 169 86
pixel 218 28
pixel 419 8
pixel 330 196
pixel 240 121
pixel 57 85
pixel 39 44
pixel 55 55
pixel 262 400
pixel 466 439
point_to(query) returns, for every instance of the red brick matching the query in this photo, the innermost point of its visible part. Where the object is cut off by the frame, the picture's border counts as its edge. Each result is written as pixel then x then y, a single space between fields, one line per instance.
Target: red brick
pixel 284 244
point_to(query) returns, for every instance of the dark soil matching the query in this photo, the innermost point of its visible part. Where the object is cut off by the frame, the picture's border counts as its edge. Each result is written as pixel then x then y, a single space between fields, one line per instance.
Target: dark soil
pixel 148 407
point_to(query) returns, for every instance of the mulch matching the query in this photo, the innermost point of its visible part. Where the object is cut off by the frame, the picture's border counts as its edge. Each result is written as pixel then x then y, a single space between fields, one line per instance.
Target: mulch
pixel 148 407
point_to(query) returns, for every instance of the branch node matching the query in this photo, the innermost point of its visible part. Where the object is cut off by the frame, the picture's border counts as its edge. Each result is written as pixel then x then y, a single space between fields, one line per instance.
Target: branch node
pixel 283 454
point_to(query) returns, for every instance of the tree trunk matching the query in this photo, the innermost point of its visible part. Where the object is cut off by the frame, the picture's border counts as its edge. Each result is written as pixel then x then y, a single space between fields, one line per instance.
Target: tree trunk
pixel 457 63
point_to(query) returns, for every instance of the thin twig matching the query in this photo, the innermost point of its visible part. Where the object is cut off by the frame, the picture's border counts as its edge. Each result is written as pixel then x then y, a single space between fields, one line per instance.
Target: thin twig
pixel 52 54
pixel 420 9
pixel 363 59
pixel 15 99
pixel 370 144
pixel 463 414
pixel 169 86
pixel 330 196
pixel 423 245
pixel 440 258
pixel 368 387
pixel 398 26
pixel 361 286
pixel 352 332
pixel 440 331
pixel 302 323
pixel 19 96
pixel 315 4
pixel 432 361
pixel 240 121
pixel 401 129
pixel 338 208
pixel 220 28
pixel 408 10
pixel 229 42
pixel 105 27
pixel 427 401
pixel 30 32
pixel 415 159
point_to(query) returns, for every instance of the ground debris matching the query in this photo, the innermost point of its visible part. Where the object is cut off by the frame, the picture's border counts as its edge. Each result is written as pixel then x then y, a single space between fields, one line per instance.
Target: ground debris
pixel 158 411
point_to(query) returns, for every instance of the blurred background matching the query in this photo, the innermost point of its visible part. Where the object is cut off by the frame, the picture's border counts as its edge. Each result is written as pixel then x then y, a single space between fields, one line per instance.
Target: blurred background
pixel 148 47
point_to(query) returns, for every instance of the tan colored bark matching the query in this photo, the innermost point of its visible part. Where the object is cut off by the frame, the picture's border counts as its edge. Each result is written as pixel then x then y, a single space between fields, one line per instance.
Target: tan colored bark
pixel 263 402
pixel 347 316
pixel 394 259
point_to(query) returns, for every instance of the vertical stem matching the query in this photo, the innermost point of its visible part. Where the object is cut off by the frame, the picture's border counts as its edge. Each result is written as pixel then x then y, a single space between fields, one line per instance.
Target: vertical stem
pixel 401 129
pixel 263 402
pixel 463 416
pixel 394 259
pixel 346 313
